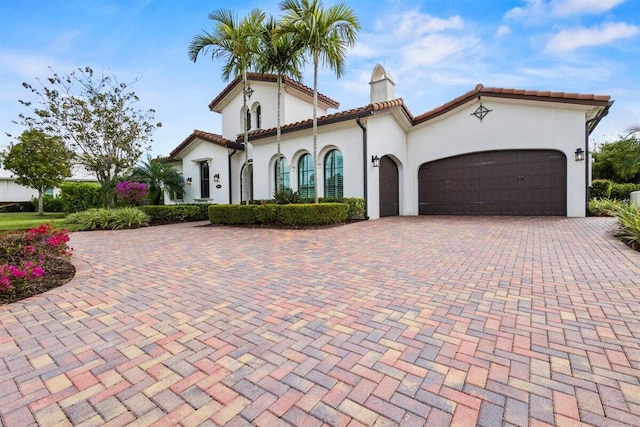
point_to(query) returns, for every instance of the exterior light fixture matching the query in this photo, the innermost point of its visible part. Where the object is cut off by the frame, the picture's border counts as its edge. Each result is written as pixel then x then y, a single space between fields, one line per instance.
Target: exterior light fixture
pixel 189 181
pixel 579 155
pixel 376 161
pixel 216 177
pixel 249 92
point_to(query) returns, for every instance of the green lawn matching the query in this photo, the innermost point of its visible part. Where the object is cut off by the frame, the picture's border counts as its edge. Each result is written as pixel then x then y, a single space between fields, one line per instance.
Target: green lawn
pixel 26 220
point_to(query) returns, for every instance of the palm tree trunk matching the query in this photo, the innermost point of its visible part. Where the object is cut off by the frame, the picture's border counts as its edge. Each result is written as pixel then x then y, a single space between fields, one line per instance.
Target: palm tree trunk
pixel 315 124
pixel 245 172
pixel 278 135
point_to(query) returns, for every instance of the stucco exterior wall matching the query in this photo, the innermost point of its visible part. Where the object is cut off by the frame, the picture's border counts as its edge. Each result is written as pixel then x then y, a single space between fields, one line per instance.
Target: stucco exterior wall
pixel 510 125
pixel 296 109
pixel 217 157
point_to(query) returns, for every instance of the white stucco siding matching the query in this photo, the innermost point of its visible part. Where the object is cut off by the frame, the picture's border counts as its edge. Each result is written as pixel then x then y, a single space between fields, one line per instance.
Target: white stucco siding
pixel 296 109
pixel 385 137
pixel 216 155
pixel 346 137
pixel 263 93
pixel 509 126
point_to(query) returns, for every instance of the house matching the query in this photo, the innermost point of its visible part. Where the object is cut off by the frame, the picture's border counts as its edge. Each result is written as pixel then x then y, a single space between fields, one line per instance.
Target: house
pixel 491 151
pixel 11 192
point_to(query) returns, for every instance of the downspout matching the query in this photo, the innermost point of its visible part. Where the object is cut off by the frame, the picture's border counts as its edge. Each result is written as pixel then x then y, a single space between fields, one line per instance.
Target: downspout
pixel 365 165
pixel 229 162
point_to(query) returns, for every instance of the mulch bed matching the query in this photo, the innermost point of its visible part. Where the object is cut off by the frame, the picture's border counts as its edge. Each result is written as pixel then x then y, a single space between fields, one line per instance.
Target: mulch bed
pixel 62 273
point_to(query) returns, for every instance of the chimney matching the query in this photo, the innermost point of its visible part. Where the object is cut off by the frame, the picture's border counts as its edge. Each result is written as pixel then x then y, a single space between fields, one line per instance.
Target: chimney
pixel 382 85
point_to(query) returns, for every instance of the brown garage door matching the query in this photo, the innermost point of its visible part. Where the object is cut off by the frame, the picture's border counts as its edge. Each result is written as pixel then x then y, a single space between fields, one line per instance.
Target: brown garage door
pixel 389 187
pixel 513 182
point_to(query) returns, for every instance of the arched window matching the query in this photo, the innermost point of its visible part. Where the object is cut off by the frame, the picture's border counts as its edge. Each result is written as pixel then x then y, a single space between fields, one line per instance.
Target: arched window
pixel 333 174
pixel 306 178
pixel 258 117
pixel 247 120
pixel 284 174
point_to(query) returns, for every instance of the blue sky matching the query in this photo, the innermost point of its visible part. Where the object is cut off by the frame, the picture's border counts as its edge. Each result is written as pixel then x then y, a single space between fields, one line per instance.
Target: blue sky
pixel 436 50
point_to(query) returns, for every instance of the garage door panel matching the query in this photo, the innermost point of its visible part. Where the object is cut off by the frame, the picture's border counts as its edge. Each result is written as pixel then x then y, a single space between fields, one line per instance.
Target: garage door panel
pixel 513 182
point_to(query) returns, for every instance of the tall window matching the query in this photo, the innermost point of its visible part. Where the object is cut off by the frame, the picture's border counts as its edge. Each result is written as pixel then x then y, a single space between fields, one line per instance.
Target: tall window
pixel 247 120
pixel 284 174
pixel 333 175
pixel 258 117
pixel 306 178
pixel 204 180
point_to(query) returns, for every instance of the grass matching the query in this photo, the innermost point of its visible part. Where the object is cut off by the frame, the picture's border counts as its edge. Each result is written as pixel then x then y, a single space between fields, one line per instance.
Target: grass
pixel 25 220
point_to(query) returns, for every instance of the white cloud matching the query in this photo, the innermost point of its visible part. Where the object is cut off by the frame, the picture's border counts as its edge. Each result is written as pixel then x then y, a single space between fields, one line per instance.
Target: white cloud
pixel 503 30
pixel 577 7
pixel 575 38
pixel 533 12
pixel 412 23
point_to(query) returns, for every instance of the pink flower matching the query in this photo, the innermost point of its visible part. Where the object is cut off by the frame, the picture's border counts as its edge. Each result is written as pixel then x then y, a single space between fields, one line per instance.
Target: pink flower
pixel 16 272
pixel 37 272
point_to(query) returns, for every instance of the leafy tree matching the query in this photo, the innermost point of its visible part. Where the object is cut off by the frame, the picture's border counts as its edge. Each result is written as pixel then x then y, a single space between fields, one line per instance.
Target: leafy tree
pixel 235 42
pixel 40 162
pixel 96 117
pixel 619 161
pixel 282 55
pixel 327 34
pixel 160 177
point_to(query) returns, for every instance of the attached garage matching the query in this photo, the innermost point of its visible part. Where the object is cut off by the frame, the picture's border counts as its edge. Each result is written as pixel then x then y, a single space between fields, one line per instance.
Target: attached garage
pixel 509 182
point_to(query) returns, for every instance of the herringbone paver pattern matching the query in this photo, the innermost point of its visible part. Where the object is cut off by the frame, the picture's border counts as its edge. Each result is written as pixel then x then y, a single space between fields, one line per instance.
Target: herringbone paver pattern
pixel 401 321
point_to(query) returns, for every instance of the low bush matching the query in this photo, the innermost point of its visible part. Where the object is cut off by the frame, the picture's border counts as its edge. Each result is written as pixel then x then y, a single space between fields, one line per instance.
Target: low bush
pixel 50 203
pixel 356 205
pixel 603 207
pixel 286 196
pixel 629 225
pixel 170 214
pixel 623 191
pixel 80 196
pixel 26 257
pixel 600 189
pixel 289 215
pixel 112 219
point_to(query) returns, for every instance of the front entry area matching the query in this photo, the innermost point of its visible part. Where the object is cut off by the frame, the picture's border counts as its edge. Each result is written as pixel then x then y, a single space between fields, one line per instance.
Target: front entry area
pixel 389 187
pixel 510 182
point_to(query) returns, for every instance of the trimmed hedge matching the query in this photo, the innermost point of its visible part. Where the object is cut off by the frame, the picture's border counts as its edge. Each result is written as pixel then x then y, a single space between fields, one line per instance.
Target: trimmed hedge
pixel 623 191
pixel 7 207
pixel 600 189
pixel 291 215
pixel 50 203
pixel 356 205
pixel 170 214
pixel 80 196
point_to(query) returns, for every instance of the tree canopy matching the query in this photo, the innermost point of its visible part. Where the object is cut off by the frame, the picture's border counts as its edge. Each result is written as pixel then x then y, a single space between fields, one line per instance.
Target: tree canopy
pixel 39 161
pixel 619 161
pixel 95 116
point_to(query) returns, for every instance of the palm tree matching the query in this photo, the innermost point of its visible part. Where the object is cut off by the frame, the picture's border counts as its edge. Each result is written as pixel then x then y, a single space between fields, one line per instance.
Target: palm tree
pixel 327 34
pixel 235 42
pixel 282 55
pixel 160 177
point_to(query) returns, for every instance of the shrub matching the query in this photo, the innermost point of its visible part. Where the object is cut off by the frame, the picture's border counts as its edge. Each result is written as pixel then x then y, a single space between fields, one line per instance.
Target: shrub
pixel 25 257
pixel 603 207
pixel 131 192
pixel 169 214
pixel 291 214
pixel 80 196
pixel 629 225
pixel 600 189
pixel 17 207
pixel 356 205
pixel 286 196
pixel 114 219
pixel 50 203
pixel 623 191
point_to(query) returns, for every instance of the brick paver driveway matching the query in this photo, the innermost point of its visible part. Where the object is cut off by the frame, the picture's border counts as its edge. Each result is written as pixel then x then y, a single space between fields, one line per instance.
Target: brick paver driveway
pixel 401 321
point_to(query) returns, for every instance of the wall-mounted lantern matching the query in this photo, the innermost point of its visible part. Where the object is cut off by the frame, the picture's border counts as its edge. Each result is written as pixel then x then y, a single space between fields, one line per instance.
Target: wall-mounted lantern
pixel 189 181
pixel 579 155
pixel 216 177
pixel 376 161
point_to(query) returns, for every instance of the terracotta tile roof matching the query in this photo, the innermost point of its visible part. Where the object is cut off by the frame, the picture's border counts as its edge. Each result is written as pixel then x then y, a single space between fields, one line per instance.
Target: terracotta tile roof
pixel 333 118
pixel 534 95
pixel 272 78
pixel 213 138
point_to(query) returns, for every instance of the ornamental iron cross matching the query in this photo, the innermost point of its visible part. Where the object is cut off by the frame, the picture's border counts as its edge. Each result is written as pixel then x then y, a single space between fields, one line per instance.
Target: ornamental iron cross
pixel 481 112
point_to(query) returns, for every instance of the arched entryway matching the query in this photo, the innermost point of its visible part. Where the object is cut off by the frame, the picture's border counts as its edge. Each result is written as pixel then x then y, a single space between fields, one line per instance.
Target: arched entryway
pixel 389 187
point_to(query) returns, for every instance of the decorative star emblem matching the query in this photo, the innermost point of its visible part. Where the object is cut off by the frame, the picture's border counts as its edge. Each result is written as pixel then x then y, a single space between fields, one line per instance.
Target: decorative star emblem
pixel 481 112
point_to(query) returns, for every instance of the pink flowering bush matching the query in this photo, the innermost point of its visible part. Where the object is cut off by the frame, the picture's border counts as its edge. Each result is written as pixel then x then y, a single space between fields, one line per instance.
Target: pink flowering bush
pixel 131 192
pixel 27 257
